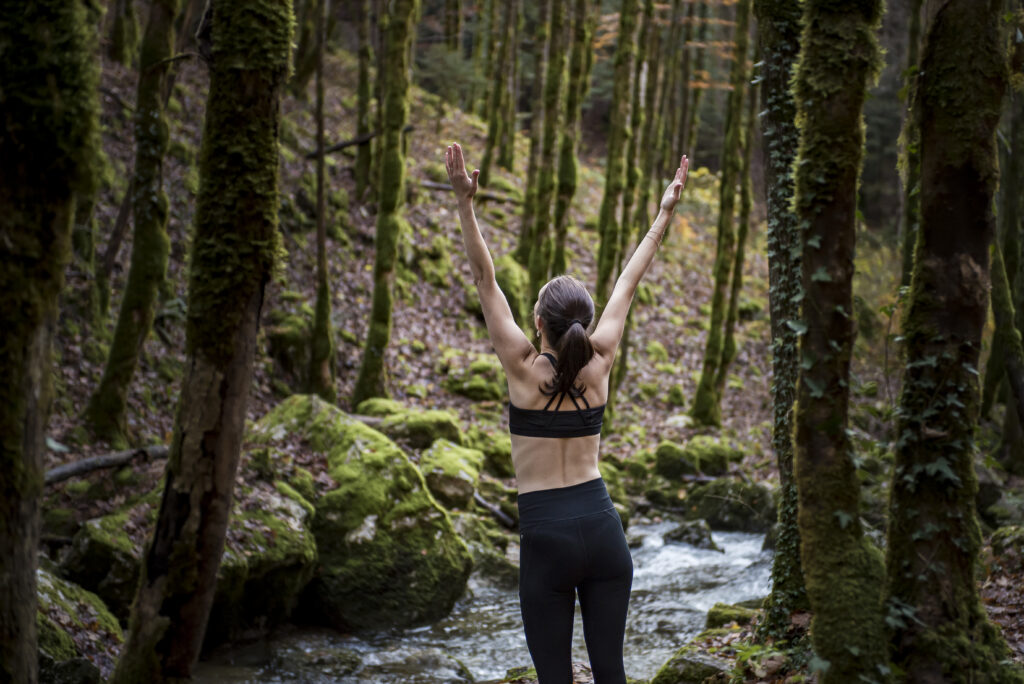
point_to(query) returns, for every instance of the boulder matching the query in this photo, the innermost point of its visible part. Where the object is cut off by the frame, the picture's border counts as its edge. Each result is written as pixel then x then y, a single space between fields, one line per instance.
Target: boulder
pixel 702 454
pixel 482 380
pixel 672 462
pixel 695 533
pixel 723 614
pixel 379 407
pixel 78 637
pixel 389 556
pixel 497 450
pixel 664 493
pixel 488 545
pixel 690 666
pixel 452 472
pixel 730 505
pixel 288 334
pixel 420 429
pixel 613 482
pixel 514 282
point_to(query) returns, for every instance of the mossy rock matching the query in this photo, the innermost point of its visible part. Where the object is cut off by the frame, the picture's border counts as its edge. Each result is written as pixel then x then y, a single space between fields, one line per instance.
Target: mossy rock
pixel 497 450
pixel 695 533
pixel 672 462
pixel 488 545
pixel 420 429
pixel 514 281
pixel 62 605
pixel 288 336
pixel 732 506
pixel 1008 548
pixel 60 522
pixel 269 556
pixel 702 454
pixel 379 407
pixel 664 493
pixel 452 472
pixel 494 492
pixel 500 184
pixel 689 666
pixel 656 351
pixel 613 482
pixel 723 614
pixel 389 556
pixel 482 380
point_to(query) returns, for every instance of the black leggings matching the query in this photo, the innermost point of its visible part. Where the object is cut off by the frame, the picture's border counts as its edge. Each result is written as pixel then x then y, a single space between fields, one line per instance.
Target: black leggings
pixel 572 542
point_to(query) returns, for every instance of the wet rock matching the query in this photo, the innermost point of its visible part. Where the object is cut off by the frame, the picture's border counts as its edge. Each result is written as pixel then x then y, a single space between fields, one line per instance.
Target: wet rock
pixel 452 472
pixel 732 506
pixel 723 614
pixel 389 556
pixel 690 666
pixel 420 429
pixel 695 533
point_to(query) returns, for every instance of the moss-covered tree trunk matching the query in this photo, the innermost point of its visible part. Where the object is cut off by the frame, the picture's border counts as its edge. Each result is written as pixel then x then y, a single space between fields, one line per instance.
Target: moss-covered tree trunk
pixel 105 413
pixel 453 25
pixel 1004 312
pixel 746 201
pixel 670 57
pixel 123 37
pixel 779 37
pixel 499 95
pixel 507 143
pixel 48 148
pixel 394 78
pixel 231 262
pixel 675 129
pixel 363 154
pixel 697 94
pixel 490 54
pixel 910 158
pixel 843 571
pixel 541 36
pixel 618 135
pixel 304 58
pixel 582 41
pixel 479 34
pixel 540 235
pixel 707 408
pixel 321 351
pixel 944 634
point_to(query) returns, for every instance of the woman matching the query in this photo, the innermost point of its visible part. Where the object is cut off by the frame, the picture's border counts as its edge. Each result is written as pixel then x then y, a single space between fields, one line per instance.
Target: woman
pixel 571 535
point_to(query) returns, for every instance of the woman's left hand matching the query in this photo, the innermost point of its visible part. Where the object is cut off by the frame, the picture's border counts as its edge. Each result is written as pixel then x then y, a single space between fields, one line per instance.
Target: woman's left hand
pixel 464 186
pixel 675 188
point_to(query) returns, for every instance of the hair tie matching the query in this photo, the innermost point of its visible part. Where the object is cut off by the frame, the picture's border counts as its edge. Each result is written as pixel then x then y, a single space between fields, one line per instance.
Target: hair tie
pixel 575 320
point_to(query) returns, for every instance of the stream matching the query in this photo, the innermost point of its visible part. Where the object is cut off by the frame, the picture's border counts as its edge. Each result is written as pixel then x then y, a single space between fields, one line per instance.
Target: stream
pixel 674 585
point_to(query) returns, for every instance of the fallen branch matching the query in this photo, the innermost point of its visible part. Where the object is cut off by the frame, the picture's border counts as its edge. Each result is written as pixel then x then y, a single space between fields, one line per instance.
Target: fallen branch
pixel 500 515
pixel 358 140
pixel 482 194
pixel 118 458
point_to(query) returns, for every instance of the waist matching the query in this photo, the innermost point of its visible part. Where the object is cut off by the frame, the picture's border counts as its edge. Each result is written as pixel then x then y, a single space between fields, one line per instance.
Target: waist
pixel 563 503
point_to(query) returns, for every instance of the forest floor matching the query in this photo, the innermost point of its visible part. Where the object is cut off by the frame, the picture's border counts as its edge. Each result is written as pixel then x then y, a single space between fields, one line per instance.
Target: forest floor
pixel 431 320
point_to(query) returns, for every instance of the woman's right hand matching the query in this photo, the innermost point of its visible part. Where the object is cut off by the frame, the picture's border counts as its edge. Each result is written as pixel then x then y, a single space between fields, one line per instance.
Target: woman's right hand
pixel 462 184
pixel 675 188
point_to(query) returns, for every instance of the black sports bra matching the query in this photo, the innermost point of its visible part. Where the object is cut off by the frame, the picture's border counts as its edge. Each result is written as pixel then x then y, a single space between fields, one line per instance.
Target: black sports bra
pixel 544 423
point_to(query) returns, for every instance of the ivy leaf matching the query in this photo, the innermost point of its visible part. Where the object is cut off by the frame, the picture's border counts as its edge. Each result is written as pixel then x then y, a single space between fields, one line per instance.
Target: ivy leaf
pixel 844 519
pixel 940 467
pixel 821 276
pixel 818 664
pixel 814 241
pixel 54 445
pixel 817 391
pixel 799 327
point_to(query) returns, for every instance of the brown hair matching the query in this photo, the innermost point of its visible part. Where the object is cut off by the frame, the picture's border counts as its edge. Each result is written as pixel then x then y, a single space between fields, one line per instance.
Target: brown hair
pixel 567 310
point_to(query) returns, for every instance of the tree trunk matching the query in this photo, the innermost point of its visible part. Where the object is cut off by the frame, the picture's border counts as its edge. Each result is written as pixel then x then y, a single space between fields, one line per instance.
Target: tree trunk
pixel 1004 313
pixel 48 155
pixel 933 533
pixel 123 41
pixel 453 25
pixel 909 148
pixel 105 413
pixel 495 114
pixel 683 93
pixel 507 144
pixel 843 571
pixel 699 61
pixel 231 262
pixel 707 409
pixel 541 254
pixel 673 46
pixel 394 79
pixel 363 154
pixel 540 37
pixel 582 41
pixel 779 30
pixel 607 224
pixel 304 59
pixel 489 54
pixel 321 351
pixel 746 200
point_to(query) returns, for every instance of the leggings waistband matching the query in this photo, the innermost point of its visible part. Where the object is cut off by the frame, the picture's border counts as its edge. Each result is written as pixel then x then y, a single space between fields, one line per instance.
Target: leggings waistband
pixel 561 503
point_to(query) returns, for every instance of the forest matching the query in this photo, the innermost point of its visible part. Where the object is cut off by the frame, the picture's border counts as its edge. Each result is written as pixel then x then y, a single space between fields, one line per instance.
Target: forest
pixel 253 428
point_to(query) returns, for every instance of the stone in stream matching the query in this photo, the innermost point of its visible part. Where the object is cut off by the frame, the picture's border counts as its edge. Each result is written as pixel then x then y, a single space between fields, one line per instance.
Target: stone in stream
pixel 731 505
pixel 690 666
pixel 695 533
pixel 724 614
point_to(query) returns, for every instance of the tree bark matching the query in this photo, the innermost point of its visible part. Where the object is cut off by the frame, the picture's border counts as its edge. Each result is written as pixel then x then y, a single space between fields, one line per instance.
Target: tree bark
pixel 933 533
pixel 910 157
pixel 779 34
pixel 541 239
pixel 670 56
pixel 394 80
pixel 541 36
pixel 495 114
pixel 607 224
pixel 507 143
pixel 48 156
pixel 843 571
pixel 707 402
pixel 123 40
pixel 232 260
pixel 105 413
pixel 321 352
pixel 364 153
pixel 693 126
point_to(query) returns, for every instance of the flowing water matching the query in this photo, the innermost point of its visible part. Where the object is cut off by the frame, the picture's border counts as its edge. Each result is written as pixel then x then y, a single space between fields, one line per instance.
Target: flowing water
pixel 674 585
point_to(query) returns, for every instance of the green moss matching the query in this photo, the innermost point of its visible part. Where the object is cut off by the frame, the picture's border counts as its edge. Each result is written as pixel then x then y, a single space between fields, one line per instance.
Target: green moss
pixel 723 614
pixel 687 665
pixel 676 396
pixel 303 482
pixel 730 505
pixel 613 481
pixel 514 282
pixel 420 429
pixel 452 472
pixel 380 407
pixel 656 351
pixel 497 450
pixel 483 379
pixel 288 336
pixel 84 609
pixel 52 640
pixel 672 461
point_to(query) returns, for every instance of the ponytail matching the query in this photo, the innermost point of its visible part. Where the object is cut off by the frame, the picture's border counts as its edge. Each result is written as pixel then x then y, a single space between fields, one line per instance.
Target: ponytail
pixel 574 352
pixel 567 310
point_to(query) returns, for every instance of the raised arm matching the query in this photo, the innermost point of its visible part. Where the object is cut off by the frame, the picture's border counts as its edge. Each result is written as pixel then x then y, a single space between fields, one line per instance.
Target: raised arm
pixel 609 328
pixel 511 345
